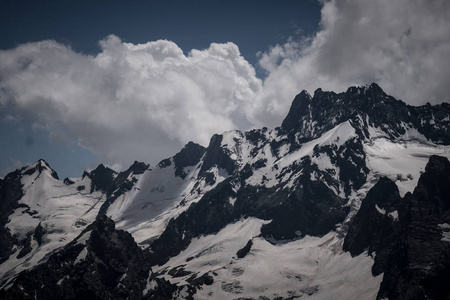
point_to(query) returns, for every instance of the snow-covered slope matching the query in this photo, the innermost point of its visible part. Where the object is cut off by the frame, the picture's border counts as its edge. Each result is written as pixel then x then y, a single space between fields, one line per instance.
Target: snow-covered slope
pixel 48 216
pixel 262 213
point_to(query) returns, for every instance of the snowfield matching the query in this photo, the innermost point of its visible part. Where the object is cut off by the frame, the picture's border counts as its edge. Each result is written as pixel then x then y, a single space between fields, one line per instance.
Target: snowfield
pixel 311 266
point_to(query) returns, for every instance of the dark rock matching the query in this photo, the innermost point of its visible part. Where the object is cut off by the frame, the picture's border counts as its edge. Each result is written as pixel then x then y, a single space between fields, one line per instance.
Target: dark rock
pixel 209 215
pixel 41 165
pixel 245 250
pixel 39 233
pixel 370 229
pixel 190 155
pixel 410 251
pixel 26 246
pixel 205 279
pixel 114 186
pixel 165 163
pixel 102 178
pixel 311 208
pixel 178 272
pixel 10 194
pixel 311 117
pixel 108 265
pixel 217 156
pixel 67 181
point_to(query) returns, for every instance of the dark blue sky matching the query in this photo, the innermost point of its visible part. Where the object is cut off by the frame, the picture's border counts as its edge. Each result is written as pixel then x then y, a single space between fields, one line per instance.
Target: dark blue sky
pixel 252 25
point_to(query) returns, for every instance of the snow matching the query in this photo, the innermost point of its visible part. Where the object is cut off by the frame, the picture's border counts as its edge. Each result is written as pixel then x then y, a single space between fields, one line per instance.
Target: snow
pixel 338 135
pixel 232 140
pixel 81 256
pixel 157 196
pixel 151 285
pixel 400 161
pixel 62 279
pixel 84 237
pixel 62 211
pixel 289 269
pixel 445 232
pixel 380 210
pixel 394 215
pixel 314 266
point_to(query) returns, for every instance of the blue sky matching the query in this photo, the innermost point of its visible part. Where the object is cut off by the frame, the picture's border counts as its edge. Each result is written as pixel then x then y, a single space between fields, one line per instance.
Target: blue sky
pixel 253 25
pixel 89 82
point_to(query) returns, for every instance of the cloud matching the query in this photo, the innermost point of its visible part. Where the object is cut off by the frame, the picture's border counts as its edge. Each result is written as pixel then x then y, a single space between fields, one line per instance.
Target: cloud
pixel 11 165
pixel 130 101
pixel 402 45
pixel 145 101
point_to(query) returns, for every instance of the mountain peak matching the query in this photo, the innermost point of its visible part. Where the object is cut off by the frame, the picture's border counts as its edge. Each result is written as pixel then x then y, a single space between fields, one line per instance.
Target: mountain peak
pixel 190 155
pixel 138 167
pixel 299 106
pixel 365 106
pixel 40 166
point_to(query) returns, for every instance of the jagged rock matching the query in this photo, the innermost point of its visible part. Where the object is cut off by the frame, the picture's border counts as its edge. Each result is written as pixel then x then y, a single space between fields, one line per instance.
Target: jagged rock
pixel 216 156
pixel 412 250
pixel 102 178
pixel 39 167
pixel 114 186
pixel 190 155
pixel 299 179
pixel 207 216
pixel 373 227
pixel 312 116
pixel 10 194
pixel 245 250
pixel 312 208
pixel 102 263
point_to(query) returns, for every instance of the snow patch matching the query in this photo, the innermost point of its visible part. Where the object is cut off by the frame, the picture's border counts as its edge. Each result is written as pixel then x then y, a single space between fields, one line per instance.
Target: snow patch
pixel 82 239
pixel 394 215
pixel 81 256
pixel 445 232
pixel 402 162
pixel 380 210
pixel 151 285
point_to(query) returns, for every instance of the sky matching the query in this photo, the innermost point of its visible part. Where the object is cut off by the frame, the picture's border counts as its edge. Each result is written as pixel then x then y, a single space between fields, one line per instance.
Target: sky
pixel 89 82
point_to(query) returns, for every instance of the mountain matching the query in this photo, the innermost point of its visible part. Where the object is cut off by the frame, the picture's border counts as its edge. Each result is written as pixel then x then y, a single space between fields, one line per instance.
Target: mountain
pixel 341 201
pixel 88 267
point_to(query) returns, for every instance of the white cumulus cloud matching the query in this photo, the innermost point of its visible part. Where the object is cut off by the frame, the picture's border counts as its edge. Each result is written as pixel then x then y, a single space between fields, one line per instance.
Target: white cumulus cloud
pixel 145 101
pixel 130 101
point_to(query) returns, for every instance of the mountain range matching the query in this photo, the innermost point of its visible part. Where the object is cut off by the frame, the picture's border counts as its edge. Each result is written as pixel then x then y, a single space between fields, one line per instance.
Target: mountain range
pixel 348 199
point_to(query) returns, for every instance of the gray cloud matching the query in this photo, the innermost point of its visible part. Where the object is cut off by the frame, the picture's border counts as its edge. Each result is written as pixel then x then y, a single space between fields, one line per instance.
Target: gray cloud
pixel 402 45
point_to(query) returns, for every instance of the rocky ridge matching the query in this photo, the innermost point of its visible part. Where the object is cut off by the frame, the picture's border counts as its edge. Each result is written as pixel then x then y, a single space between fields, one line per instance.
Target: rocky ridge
pixel 333 177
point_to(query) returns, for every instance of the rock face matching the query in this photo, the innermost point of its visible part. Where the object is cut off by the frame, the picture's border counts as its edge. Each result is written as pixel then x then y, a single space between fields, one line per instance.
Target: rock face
pixel 372 227
pixel 114 184
pixel 410 235
pixel 102 263
pixel 10 193
pixel 311 116
pixel 334 176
